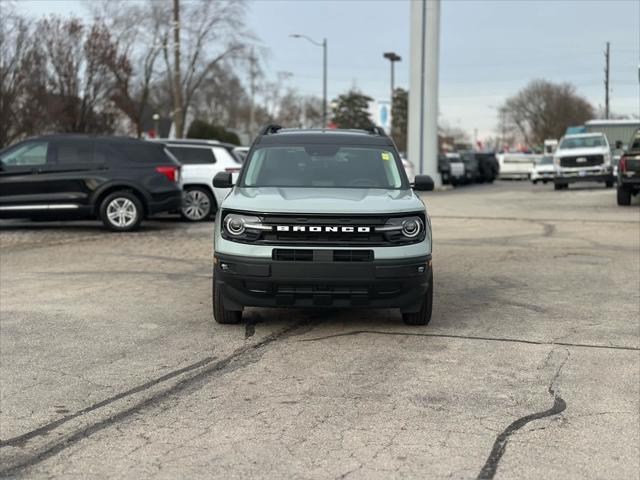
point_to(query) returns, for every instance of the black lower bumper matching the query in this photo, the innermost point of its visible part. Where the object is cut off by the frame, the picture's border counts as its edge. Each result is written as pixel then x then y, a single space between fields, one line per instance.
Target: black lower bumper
pixel 566 179
pixel 254 282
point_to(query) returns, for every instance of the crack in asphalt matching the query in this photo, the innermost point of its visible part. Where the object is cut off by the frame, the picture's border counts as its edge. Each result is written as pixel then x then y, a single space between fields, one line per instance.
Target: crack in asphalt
pixel 490 467
pixel 209 366
pixel 468 337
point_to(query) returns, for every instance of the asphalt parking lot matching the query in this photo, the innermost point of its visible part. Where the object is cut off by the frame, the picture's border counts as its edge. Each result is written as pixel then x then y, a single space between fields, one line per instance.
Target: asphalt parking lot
pixel 112 367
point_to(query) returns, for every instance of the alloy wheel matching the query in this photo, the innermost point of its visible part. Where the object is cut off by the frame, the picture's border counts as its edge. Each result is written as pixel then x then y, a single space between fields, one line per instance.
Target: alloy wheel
pixel 122 212
pixel 197 205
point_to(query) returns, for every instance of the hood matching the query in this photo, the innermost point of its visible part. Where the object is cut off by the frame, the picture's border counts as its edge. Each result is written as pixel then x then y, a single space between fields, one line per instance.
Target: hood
pixel 579 152
pixel 322 200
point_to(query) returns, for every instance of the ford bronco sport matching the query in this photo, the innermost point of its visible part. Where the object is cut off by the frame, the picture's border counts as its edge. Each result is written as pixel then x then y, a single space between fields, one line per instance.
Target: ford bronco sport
pixel 322 218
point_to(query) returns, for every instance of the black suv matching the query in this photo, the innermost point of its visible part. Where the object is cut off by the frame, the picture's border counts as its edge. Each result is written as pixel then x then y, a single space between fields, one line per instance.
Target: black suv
pixel 119 180
pixel 480 167
pixel 629 172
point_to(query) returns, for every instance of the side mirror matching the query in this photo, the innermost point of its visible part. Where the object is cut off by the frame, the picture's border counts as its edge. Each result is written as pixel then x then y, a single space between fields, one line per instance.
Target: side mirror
pixel 423 183
pixel 223 180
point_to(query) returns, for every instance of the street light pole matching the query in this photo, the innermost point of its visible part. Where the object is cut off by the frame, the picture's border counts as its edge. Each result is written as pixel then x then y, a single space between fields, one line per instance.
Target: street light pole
pixel 322 44
pixel 393 58
pixel 324 83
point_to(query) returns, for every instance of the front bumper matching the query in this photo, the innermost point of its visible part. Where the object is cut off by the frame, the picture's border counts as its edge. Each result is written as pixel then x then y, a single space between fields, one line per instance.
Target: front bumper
pixel 259 282
pixel 573 176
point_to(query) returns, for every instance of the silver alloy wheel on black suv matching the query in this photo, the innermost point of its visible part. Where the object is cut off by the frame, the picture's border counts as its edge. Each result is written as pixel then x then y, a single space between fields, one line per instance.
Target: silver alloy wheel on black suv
pixel 121 211
pixel 197 205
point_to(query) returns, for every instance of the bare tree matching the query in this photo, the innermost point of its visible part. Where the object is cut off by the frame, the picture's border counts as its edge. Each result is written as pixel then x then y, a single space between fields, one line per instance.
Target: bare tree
pixel 210 33
pixel 544 110
pixel 137 34
pixel 22 78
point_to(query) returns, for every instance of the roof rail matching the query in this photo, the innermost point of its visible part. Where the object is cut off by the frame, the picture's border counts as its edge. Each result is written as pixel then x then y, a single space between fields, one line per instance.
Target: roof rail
pixel 269 129
pixel 374 129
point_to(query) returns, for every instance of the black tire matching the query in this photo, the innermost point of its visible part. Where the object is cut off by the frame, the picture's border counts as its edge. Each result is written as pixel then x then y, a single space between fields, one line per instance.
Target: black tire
pixel 624 196
pixel 608 184
pixel 422 317
pixel 544 181
pixel 534 181
pixel 558 186
pixel 201 207
pixel 221 314
pixel 125 202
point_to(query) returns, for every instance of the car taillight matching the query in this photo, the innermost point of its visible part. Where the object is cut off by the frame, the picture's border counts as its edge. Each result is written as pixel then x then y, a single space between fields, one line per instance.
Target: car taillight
pixel 622 165
pixel 172 173
pixel 232 170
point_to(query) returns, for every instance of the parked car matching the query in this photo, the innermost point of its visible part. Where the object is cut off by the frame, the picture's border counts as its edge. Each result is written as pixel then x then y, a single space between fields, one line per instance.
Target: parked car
pixel 471 167
pixel 544 170
pixel 201 160
pixel 451 168
pixel 241 153
pixel 118 180
pixel 408 168
pixel 322 218
pixel 481 166
pixel 516 166
pixel 629 171
pixel 584 157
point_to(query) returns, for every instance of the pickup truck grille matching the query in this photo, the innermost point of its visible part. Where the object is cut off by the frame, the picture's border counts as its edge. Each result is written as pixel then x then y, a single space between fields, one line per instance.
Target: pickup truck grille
pixel 581 161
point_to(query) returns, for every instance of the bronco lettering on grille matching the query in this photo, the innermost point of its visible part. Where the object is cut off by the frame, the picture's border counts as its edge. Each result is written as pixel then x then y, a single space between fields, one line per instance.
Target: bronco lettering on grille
pixel 322 228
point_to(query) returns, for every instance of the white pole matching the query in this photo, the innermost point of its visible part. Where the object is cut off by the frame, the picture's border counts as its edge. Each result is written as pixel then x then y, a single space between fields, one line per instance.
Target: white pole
pixel 423 87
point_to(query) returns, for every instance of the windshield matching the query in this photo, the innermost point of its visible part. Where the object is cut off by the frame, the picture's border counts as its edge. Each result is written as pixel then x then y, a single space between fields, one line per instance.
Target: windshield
pixel 328 166
pixel 583 142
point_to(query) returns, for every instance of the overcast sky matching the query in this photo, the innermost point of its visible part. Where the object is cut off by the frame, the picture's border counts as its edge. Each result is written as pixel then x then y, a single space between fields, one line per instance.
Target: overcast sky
pixel 488 49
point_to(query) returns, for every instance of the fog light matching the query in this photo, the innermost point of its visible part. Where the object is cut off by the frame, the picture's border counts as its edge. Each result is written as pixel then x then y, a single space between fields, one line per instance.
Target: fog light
pixel 421 269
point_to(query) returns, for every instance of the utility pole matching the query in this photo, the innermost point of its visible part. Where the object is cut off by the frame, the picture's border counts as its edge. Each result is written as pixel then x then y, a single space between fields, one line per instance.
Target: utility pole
pixel 322 44
pixel 253 73
pixel 177 82
pixel 606 83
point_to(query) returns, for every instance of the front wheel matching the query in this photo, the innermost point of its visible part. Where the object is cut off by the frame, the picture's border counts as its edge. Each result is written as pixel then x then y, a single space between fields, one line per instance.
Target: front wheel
pixel 624 196
pixel 121 211
pixel 198 204
pixel 423 316
pixel 609 184
pixel 221 314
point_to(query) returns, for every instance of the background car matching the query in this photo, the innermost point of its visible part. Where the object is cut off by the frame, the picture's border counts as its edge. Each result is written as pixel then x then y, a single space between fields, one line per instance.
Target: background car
pixel 119 180
pixel 451 168
pixel 629 172
pixel 201 160
pixel 544 170
pixel 241 153
pixel 408 168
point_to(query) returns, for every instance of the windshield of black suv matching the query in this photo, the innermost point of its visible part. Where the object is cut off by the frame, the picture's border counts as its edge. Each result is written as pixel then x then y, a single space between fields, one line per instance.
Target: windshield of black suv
pixel 583 142
pixel 323 166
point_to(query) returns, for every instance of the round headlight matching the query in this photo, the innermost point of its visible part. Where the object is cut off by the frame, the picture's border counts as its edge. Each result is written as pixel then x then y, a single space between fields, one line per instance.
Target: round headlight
pixel 235 225
pixel 411 228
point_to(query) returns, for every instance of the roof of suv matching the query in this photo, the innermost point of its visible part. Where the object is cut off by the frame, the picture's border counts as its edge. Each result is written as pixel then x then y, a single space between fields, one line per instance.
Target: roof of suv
pixel 196 142
pixel 291 136
pixel 86 136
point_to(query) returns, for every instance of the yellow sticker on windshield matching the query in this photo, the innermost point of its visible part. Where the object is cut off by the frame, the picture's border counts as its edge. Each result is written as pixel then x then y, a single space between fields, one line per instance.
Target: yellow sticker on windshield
pixel 385 156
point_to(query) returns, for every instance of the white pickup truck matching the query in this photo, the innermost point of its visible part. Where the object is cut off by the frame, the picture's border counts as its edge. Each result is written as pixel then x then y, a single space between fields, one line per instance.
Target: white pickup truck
pixel 583 157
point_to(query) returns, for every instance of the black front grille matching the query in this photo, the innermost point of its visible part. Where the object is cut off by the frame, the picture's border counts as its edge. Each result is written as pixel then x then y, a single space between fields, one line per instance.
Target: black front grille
pixel 582 161
pixel 292 255
pixel 353 255
pixel 305 255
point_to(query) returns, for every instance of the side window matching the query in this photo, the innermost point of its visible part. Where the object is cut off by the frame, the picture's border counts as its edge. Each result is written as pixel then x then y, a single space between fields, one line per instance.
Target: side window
pixel 193 155
pixel 74 152
pixel 26 154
